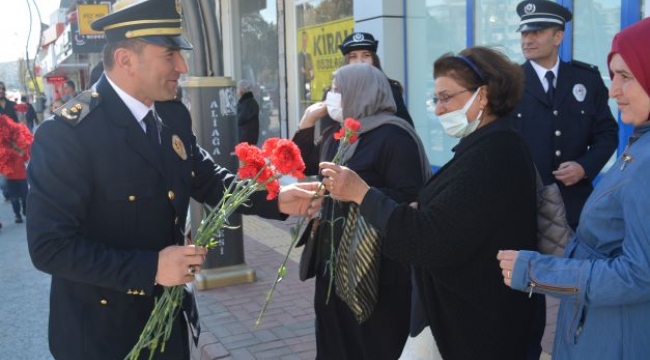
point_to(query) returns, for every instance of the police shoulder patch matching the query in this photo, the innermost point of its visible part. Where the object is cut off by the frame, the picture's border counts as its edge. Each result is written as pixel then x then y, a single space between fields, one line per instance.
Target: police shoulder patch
pixel 584 65
pixel 74 111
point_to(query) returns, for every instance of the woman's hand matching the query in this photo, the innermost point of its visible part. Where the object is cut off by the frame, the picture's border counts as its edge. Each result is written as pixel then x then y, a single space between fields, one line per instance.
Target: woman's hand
pixel 343 183
pixel 312 114
pixel 507 260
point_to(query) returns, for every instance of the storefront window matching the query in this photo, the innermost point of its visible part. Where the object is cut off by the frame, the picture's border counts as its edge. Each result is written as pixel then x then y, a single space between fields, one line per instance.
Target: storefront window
pixel 433 28
pixel 595 22
pixel 258 24
pixel 496 23
pixel 321 26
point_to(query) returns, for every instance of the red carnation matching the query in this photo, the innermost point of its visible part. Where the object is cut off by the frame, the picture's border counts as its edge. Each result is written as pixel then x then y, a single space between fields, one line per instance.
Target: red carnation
pixel 287 160
pixel 269 146
pixel 352 125
pixel 273 189
pixel 250 159
pixel 15 141
pixel 339 134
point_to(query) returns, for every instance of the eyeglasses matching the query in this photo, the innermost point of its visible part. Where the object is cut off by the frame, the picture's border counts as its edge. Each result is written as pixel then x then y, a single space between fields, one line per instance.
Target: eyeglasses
pixel 444 98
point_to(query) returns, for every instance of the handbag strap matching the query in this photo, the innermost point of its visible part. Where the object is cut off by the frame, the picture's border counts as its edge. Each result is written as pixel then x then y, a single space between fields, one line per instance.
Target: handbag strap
pixel 538 178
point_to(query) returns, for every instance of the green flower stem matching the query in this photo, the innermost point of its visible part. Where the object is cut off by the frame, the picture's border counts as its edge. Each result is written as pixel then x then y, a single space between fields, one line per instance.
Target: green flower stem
pixel 158 328
pixel 295 235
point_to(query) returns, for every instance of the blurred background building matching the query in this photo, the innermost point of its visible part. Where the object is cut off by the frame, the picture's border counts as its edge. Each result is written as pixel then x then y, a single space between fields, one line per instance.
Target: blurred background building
pixel 262 41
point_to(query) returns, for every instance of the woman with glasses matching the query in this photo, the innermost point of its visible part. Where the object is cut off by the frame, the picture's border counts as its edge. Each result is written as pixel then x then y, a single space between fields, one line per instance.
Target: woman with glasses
pixel 481 201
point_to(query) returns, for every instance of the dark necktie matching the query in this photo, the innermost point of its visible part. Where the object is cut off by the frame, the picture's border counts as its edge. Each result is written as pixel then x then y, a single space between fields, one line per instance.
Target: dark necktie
pixel 550 93
pixel 152 129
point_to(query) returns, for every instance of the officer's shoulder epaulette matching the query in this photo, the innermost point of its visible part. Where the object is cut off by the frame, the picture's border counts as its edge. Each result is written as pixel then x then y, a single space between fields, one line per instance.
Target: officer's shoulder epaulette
pixel 78 108
pixel 586 66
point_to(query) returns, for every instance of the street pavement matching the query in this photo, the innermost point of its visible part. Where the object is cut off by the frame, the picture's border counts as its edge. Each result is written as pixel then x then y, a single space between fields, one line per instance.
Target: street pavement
pixel 24 295
pixel 228 313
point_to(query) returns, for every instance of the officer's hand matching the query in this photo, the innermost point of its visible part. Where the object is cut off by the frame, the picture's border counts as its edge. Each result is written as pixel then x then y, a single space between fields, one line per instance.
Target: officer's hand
pixel 569 173
pixel 298 199
pixel 178 264
pixel 313 113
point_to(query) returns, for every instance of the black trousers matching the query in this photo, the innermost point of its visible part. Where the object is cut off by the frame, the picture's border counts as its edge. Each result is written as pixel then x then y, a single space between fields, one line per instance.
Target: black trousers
pixel 17 193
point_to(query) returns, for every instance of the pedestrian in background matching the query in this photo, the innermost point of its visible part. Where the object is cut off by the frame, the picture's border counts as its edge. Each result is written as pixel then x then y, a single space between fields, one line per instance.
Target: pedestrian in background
pixel 111 177
pixel 248 113
pixel 361 47
pixel 390 156
pixel 69 91
pixel 31 120
pixel 602 281
pixel 481 201
pixel 14 153
pixel 7 107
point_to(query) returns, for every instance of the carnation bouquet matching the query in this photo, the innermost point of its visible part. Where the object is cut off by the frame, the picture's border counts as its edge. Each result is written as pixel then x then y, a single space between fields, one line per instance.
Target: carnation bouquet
pixel 15 140
pixel 259 169
pixel 347 135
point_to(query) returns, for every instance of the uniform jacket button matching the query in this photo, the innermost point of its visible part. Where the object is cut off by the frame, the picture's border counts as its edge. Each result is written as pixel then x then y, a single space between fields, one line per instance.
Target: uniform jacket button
pixel 558 133
pixel 171 195
pixel 132 198
pixel 103 302
pixel 558 153
pixel 555 112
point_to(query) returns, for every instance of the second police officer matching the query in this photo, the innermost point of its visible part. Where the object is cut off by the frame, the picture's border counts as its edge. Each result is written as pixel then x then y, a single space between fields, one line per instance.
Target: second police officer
pixel 563 116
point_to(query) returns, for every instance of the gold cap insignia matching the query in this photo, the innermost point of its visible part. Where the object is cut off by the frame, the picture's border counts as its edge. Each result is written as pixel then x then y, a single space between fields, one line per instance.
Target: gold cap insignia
pixel 178 146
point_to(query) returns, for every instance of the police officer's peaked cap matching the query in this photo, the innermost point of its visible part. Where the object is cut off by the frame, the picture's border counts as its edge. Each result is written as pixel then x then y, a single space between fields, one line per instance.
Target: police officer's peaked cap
pixel 359 41
pixel 541 14
pixel 154 21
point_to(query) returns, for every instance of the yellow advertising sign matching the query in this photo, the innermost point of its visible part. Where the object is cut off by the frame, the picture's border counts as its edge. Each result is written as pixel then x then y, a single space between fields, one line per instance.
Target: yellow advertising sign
pixel 86 14
pixel 319 56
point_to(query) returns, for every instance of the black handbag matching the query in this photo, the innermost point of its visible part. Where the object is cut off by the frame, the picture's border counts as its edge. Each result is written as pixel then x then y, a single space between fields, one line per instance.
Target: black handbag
pixel 307 267
pixel 553 230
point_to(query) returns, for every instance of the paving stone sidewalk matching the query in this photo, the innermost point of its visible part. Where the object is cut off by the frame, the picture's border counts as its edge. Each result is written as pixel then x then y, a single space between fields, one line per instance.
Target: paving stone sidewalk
pixel 228 313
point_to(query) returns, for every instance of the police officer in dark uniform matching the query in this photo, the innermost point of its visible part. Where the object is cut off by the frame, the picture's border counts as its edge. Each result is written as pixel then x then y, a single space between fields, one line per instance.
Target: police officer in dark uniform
pixel 362 47
pixel 111 176
pixel 563 116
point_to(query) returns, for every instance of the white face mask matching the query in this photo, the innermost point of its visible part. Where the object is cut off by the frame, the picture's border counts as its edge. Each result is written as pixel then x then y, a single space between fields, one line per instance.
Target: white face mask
pixel 456 123
pixel 334 109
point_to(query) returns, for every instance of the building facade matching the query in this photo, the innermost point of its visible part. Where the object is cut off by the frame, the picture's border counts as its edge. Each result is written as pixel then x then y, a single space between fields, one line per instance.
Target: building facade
pixel 290 48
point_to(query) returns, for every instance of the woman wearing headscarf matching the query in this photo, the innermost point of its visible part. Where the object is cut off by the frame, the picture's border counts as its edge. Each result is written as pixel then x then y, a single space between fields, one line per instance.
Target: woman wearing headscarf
pixel 603 280
pixel 389 155
pixel 481 201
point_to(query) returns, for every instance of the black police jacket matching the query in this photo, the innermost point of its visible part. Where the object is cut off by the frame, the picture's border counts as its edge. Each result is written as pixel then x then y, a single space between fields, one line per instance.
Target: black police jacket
pixel 578 126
